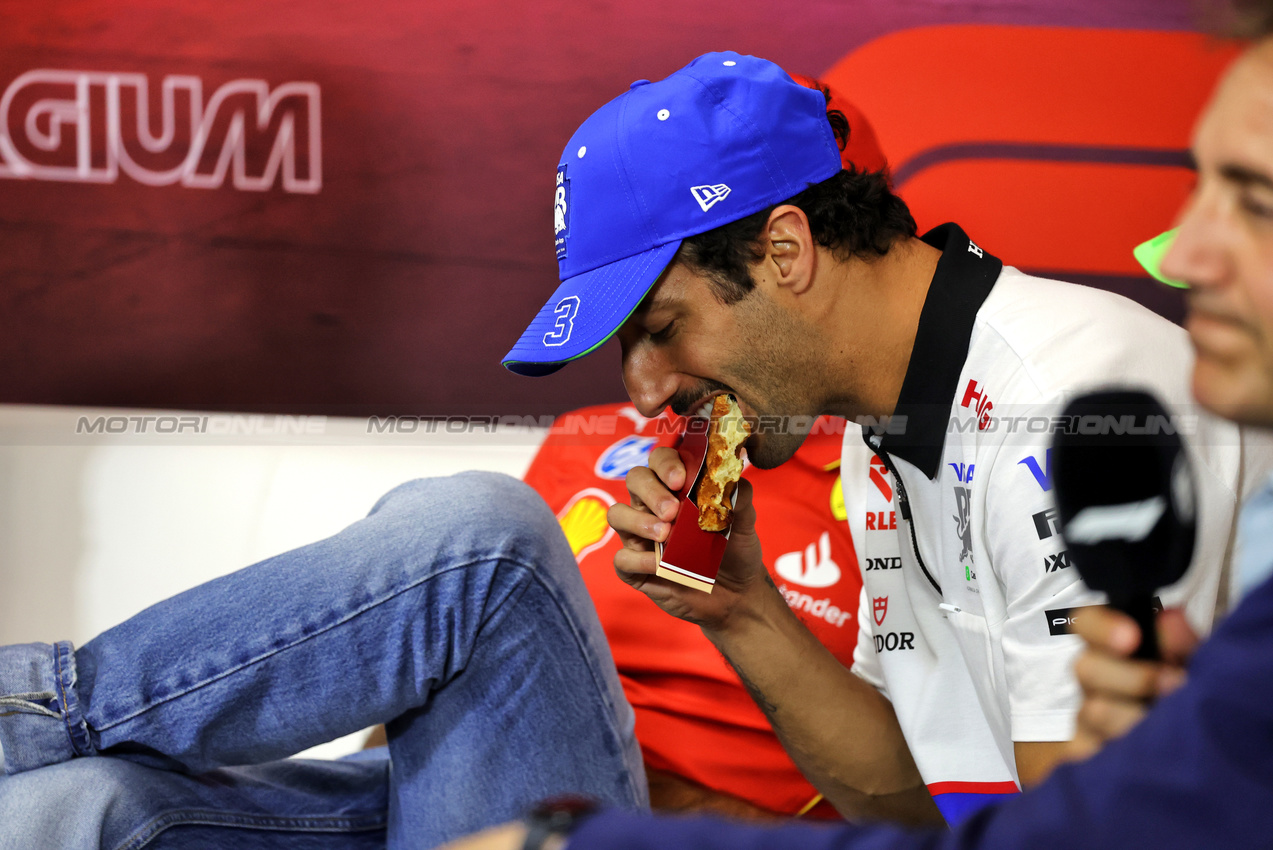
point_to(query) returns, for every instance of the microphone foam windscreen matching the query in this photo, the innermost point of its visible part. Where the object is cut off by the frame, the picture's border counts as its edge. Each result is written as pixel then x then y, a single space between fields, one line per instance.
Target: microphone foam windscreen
pixel 1124 491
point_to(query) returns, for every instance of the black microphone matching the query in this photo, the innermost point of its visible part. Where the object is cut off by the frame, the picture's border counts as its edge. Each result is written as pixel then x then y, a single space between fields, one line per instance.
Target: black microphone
pixel 1126 498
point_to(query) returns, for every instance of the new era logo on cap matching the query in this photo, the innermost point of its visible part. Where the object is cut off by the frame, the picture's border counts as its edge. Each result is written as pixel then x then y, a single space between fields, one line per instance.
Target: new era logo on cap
pixel 709 196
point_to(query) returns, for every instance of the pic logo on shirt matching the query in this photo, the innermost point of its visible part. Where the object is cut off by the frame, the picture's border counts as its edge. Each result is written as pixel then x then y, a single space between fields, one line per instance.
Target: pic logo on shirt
pixel 1043 474
pixel 1047 523
pixel 709 196
pixel 815 569
pixel 624 455
pixel 561 211
pixel 893 563
pixel 975 397
pixel 1059 561
pixel 963 471
pixel 879 609
pixel 1061 619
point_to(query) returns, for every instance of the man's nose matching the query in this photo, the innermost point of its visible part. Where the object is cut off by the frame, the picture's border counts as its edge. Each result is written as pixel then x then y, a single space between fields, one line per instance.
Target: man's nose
pixel 649 380
pixel 1198 254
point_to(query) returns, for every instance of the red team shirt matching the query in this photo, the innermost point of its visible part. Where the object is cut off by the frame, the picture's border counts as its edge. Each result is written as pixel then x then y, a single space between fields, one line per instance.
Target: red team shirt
pixel 693 717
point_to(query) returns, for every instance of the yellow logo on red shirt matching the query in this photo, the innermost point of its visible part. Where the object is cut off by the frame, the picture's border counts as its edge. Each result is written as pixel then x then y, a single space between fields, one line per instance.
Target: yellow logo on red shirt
pixel 837 500
pixel 583 520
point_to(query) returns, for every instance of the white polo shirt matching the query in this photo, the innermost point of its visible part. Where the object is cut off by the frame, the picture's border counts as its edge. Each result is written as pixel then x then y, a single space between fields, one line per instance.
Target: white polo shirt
pixel 965 604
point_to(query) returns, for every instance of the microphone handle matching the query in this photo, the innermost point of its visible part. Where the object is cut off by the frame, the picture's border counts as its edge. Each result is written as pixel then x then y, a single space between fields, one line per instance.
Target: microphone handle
pixel 1141 609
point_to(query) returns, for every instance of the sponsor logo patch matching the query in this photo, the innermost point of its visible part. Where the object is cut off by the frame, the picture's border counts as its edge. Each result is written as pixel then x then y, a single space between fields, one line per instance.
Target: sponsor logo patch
pixel 837 500
pixel 963 521
pixel 879 609
pixel 894 641
pixel 583 521
pixel 561 211
pixel 1059 561
pixel 1047 523
pixel 883 564
pixel 975 397
pixel 822 609
pixel 709 196
pixel 624 455
pixel 1061 619
pixel 1043 474
pixel 879 477
pixel 813 568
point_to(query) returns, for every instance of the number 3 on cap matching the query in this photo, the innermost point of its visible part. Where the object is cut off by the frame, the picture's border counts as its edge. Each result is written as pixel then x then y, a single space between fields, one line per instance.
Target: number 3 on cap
pixel 565 311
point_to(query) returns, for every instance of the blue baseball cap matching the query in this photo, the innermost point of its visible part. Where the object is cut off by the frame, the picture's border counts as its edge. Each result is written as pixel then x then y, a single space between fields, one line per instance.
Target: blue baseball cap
pixel 724 137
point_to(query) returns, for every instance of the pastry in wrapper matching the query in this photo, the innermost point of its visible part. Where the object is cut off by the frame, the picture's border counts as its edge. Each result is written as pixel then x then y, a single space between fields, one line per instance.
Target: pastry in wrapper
pixel 725 436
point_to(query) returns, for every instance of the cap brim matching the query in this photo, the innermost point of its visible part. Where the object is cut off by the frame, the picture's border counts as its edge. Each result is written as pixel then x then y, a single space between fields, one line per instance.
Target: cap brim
pixel 586 310
pixel 1150 256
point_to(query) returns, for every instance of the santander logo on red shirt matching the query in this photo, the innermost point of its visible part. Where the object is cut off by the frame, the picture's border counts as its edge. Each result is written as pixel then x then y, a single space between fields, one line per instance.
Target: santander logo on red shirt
pixel 812 567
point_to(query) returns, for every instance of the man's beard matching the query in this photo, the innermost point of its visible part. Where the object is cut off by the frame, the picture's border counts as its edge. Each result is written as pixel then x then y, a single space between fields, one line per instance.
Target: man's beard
pixel 775 446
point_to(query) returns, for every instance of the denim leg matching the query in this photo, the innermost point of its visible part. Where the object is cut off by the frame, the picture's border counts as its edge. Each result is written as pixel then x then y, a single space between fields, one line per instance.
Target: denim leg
pixel 115 804
pixel 454 610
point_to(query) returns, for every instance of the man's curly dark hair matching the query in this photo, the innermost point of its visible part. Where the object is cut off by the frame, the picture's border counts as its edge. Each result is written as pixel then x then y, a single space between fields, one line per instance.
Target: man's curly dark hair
pixel 1254 18
pixel 853 213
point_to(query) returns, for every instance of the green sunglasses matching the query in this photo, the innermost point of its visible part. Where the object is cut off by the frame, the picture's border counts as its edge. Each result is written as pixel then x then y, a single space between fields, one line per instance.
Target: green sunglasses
pixel 1149 255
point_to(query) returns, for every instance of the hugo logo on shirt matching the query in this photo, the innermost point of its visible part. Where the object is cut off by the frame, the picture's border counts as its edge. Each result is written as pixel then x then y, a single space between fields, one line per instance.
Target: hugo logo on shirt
pixel 975 397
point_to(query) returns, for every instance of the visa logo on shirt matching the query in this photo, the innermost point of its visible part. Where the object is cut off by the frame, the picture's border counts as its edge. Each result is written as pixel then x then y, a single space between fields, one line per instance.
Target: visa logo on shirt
pixel 1043 474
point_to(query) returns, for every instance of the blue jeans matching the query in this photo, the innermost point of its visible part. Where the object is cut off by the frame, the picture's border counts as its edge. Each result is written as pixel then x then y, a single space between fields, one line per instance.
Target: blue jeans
pixel 454 614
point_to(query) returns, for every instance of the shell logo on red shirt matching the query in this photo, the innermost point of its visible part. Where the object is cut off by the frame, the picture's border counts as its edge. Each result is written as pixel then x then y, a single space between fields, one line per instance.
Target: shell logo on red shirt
pixel 583 520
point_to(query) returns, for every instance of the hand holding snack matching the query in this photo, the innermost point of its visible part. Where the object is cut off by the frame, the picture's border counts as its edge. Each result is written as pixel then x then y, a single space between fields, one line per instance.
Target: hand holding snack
pixel 649 518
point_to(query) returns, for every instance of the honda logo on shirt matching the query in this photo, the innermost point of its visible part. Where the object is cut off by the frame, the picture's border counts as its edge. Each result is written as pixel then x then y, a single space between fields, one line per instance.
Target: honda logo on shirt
pixel 879 609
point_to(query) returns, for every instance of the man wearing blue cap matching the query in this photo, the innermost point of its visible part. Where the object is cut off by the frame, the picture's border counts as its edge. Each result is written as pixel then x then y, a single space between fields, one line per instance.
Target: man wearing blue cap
pixel 1195 771
pixel 705 220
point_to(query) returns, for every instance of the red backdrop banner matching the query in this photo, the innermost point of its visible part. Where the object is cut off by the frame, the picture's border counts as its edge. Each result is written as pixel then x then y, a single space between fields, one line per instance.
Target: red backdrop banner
pixel 344 207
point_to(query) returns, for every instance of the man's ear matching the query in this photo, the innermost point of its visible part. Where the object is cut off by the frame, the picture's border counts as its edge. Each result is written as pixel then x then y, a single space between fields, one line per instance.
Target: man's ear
pixel 789 248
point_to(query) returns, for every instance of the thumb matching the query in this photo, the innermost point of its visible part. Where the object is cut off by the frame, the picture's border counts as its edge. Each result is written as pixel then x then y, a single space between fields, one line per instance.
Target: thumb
pixel 744 511
pixel 1176 638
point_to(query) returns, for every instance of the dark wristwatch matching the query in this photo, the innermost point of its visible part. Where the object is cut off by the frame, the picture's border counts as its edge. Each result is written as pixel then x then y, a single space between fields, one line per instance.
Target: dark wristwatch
pixel 556 816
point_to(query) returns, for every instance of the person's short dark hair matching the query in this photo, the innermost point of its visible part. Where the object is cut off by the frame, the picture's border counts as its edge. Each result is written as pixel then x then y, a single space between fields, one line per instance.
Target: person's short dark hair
pixel 853 213
pixel 1252 19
